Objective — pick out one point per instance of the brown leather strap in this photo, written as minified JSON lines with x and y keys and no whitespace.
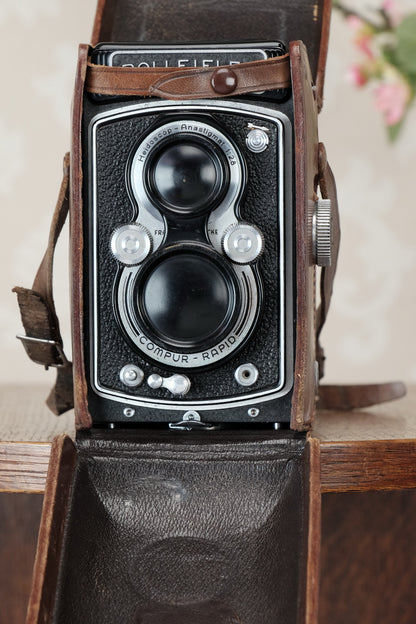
{"x":189,"y":83}
{"x":218,"y":22}
{"x":328,"y":190}
{"x":43,"y":341}
{"x":345,"y":397}
{"x":358,"y":396}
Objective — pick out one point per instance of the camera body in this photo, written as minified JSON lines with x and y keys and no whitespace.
{"x":190,"y":307}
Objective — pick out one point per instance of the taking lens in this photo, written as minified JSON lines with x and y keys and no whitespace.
{"x":187,"y":175}
{"x":187,"y":300}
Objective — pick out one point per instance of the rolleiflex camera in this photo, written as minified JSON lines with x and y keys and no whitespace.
{"x":189,"y":234}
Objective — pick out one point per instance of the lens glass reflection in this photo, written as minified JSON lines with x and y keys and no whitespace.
{"x":197,"y":304}
{"x":187,"y":176}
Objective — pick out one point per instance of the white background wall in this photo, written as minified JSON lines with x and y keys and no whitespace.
{"x":370,"y":333}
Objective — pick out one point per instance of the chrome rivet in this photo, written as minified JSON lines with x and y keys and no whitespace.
{"x":129,"y":412}
{"x":253,"y":412}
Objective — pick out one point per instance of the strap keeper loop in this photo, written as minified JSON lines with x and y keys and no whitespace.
{"x":44,"y":351}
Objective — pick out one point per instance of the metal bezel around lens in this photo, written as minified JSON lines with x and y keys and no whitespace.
{"x":198,"y":130}
{"x":243,"y":321}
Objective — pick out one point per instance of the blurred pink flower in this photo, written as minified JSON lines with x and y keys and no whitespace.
{"x":391,"y":98}
{"x":393,"y":12}
{"x":363,"y":43}
{"x":364,"y":34}
{"x":354,"y":22}
{"x":357,"y":76}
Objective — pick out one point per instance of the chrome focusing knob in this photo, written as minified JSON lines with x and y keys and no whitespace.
{"x":321,"y":232}
{"x":243,"y":243}
{"x":176,"y":384}
{"x":131,"y":243}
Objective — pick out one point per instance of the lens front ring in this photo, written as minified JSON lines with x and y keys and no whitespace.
{"x":186,"y":174}
{"x":234,"y":314}
{"x":200,"y":301}
{"x":222,"y":153}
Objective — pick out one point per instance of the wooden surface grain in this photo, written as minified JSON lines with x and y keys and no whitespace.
{"x":360,"y":450}
{"x":19,"y":522}
{"x":368,"y":558}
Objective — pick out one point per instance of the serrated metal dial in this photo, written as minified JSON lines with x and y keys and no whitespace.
{"x":131,"y":243}
{"x":321,"y":232}
{"x":243,"y":243}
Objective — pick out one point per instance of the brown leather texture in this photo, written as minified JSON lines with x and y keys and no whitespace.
{"x":182,"y":528}
{"x":50,"y":539}
{"x":216,"y":22}
{"x":43,"y":341}
{"x":82,"y":415}
{"x":188,"y":83}
{"x":306,"y":173}
{"x":327,"y":189}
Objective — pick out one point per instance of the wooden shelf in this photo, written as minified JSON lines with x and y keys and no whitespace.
{"x":363,"y":450}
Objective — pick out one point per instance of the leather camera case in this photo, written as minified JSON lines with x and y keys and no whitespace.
{"x":306,"y":177}
{"x":150,"y":525}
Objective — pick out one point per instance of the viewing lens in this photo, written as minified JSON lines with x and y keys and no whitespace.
{"x":187,"y":176}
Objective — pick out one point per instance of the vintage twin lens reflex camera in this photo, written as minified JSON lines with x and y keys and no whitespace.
{"x":190,"y":285}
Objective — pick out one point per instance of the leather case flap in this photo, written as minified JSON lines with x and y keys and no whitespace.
{"x":166,"y":527}
{"x":207,"y":21}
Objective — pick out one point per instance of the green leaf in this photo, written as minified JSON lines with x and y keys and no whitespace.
{"x":406,"y":44}
{"x":394,"y":131}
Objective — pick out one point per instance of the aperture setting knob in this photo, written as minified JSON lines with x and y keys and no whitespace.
{"x":321,"y":232}
{"x":131,"y":243}
{"x":243,"y":243}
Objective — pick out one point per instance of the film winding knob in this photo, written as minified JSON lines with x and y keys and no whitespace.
{"x":321,"y":232}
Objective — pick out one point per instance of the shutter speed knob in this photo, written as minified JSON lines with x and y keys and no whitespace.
{"x":321,"y":232}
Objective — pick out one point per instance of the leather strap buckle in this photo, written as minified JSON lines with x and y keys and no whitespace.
{"x":44,"y":351}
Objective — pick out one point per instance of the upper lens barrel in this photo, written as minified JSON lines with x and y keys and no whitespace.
{"x":187,"y":175}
